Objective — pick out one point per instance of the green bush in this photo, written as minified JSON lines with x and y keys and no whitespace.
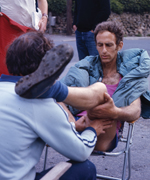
{"x":116,"y":6}
{"x":73,"y":6}
{"x":136,"y":6}
{"x":57,"y":7}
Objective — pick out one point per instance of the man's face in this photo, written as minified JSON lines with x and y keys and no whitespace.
{"x":106,"y":46}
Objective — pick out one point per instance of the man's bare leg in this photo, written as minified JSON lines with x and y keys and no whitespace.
{"x":85,"y":98}
{"x":105,"y":141}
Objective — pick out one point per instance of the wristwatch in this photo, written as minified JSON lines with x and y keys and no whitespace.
{"x":44,"y":14}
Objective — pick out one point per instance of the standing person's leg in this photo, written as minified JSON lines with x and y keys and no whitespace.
{"x":90,"y":43}
{"x":80,"y":43}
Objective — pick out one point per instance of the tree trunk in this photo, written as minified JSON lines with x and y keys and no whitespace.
{"x":69,"y":17}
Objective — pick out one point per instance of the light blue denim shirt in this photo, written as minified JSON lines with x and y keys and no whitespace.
{"x":132,"y":64}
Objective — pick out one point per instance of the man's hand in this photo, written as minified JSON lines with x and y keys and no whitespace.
{"x":74,"y":28}
{"x":42,"y":24}
{"x":98,"y":125}
{"x":43,"y":6}
{"x":81,"y":124}
{"x":107,"y":110}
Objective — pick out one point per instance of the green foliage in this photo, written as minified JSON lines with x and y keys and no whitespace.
{"x":136,"y":6}
{"x":116,"y":6}
{"x":139,"y":35}
{"x":57,"y":7}
{"x":73,"y":5}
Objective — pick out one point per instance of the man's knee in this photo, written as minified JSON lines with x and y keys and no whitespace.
{"x":80,"y":170}
{"x":98,"y":90}
{"x":99,"y":87}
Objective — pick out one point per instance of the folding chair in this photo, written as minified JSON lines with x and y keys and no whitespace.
{"x":127,"y":158}
{"x":45,"y":158}
{"x":126,"y":151}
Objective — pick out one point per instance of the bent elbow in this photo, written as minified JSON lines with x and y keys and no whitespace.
{"x":82,"y":157}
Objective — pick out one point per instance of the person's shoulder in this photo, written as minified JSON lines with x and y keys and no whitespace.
{"x":131,"y":52}
{"x":132,"y":56}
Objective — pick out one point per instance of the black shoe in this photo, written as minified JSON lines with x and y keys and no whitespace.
{"x":50,"y":68}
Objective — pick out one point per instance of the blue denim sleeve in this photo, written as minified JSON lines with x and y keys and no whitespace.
{"x":58,"y":91}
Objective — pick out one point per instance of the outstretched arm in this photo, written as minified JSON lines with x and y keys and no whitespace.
{"x":110,"y":111}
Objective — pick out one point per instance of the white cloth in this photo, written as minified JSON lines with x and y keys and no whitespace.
{"x":25,"y":126}
{"x":21,"y":11}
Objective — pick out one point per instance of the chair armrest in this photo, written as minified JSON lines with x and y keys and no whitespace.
{"x":57,"y":171}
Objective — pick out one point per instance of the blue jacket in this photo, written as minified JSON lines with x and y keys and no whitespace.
{"x":132,"y":64}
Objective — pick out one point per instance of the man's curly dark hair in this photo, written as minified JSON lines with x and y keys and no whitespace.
{"x":26,"y":52}
{"x":112,"y":27}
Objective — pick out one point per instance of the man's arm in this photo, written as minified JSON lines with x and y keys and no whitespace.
{"x":75,"y":17}
{"x":43,"y":6}
{"x":110,"y":111}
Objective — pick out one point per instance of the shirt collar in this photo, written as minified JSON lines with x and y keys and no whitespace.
{"x":9,"y":78}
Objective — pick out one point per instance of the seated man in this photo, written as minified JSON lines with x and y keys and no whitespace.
{"x":26,"y":124}
{"x":125,"y":76}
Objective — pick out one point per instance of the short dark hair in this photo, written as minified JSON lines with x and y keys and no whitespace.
{"x":112,"y":27}
{"x":26,"y":52}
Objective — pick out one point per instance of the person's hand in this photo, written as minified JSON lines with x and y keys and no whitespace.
{"x":81,"y":124}
{"x":100,"y":125}
{"x":107,"y":110}
{"x":42,"y":24}
{"x":1,"y":14}
{"x":74,"y":28}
